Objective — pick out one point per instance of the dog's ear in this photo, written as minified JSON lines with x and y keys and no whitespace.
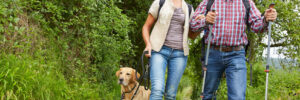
{"x":134,"y":76}
{"x":118,"y":73}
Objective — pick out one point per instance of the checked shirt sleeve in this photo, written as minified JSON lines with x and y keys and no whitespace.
{"x":258,"y":25}
{"x":198,"y":25}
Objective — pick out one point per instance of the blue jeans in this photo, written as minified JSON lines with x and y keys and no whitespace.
{"x":234,"y":65}
{"x":176,"y":62}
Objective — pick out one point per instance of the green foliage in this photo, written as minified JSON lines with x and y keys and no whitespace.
{"x":86,"y":39}
{"x":138,"y":14}
{"x":285,"y":31}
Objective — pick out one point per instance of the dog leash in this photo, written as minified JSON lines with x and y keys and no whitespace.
{"x":146,"y":72}
{"x":144,"y":76}
{"x":135,"y":92}
{"x":123,"y":93}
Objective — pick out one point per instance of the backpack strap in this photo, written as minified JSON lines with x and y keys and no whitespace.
{"x":247,"y":7}
{"x":161,"y":3}
{"x":208,"y":5}
{"x":190,"y":9}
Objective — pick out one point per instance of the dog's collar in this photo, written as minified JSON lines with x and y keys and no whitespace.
{"x":123,"y":94}
{"x":131,"y":89}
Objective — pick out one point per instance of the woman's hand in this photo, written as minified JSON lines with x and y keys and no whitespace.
{"x":148,"y":48}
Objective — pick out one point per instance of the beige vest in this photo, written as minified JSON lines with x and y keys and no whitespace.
{"x":160,"y":29}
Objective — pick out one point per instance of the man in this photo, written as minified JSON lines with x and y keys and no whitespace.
{"x":227,"y":51}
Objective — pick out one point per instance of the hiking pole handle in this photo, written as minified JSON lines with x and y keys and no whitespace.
{"x":213,"y":10}
{"x":272,"y":5}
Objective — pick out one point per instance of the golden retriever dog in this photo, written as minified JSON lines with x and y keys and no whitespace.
{"x":129,"y":84}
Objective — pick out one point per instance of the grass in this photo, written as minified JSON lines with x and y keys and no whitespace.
{"x":25,"y":78}
{"x":22,"y":77}
{"x":185,"y":88}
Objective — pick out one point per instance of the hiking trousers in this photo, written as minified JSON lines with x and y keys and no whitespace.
{"x":234,"y":65}
{"x":173,"y":60}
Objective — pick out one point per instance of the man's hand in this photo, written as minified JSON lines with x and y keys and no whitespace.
{"x":199,"y":17}
{"x":270,"y":15}
{"x":210,"y":17}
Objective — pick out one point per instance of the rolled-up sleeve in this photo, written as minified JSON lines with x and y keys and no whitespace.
{"x":154,"y":9}
{"x":258,"y":25}
{"x":198,"y":25}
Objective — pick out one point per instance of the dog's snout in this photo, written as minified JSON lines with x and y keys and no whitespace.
{"x":121,"y":79}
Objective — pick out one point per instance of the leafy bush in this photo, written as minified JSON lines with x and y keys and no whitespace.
{"x":85,"y":39}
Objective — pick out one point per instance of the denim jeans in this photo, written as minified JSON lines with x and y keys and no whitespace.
{"x":176,"y":62}
{"x":234,"y":65}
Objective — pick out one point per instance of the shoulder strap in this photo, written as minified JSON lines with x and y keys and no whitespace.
{"x":247,"y":48}
{"x":208,"y":5}
{"x":161,"y":3}
{"x":190,"y":9}
{"x":247,"y":7}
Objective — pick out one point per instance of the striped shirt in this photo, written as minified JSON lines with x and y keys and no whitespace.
{"x":229,"y":28}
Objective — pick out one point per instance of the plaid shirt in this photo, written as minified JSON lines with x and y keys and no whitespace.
{"x":229,"y":28}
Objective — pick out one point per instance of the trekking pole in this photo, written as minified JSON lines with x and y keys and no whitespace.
{"x":251,"y":74}
{"x":206,"y":59}
{"x":268,"y":55}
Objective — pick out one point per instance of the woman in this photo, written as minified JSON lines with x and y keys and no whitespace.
{"x":167,"y":46}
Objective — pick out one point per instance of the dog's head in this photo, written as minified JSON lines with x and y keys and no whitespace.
{"x":126,"y":76}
